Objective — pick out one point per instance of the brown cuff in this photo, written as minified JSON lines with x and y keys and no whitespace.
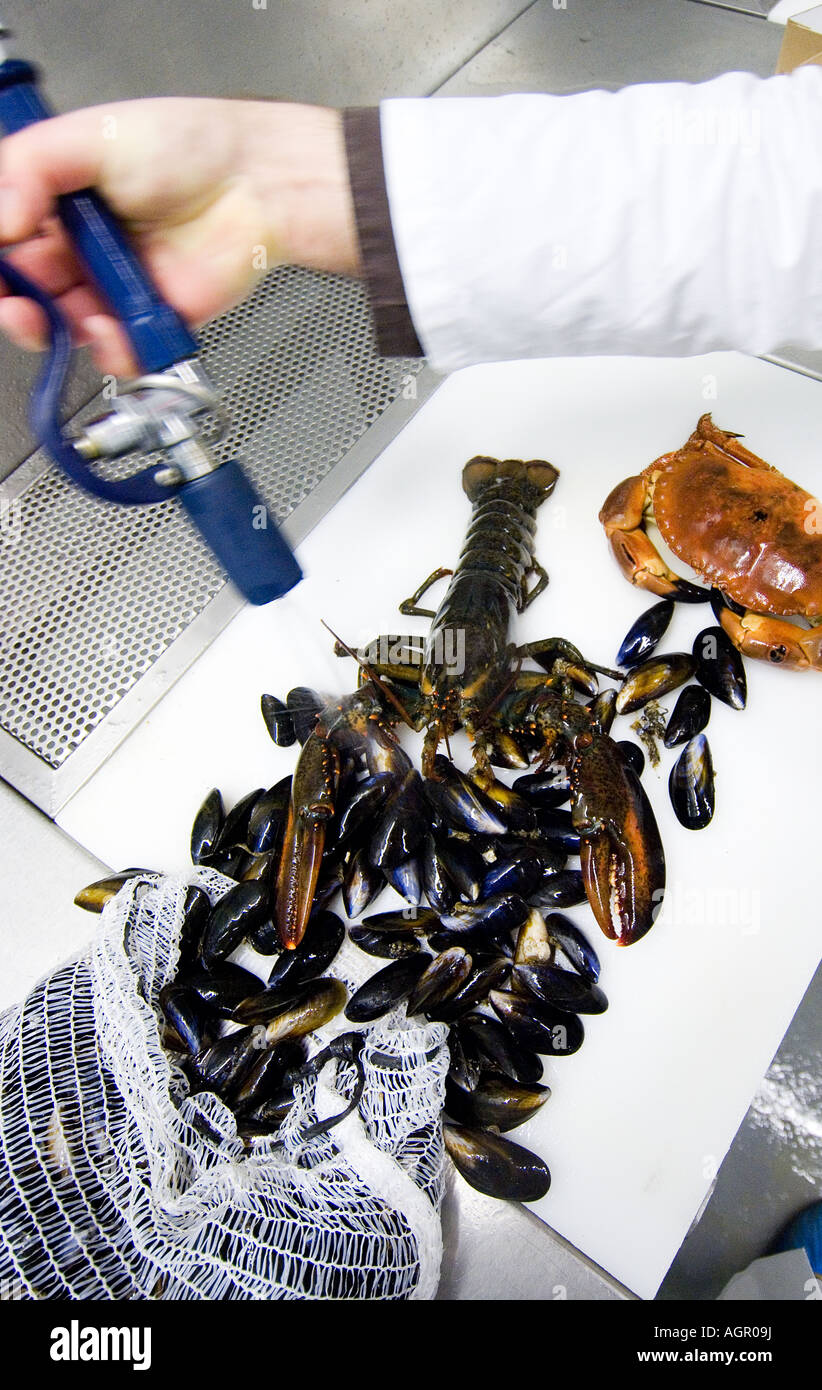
{"x":393,"y":326}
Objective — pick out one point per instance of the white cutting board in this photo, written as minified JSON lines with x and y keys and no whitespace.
{"x":641,"y":1117}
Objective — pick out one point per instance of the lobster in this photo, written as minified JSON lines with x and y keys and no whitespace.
{"x":469,"y":675}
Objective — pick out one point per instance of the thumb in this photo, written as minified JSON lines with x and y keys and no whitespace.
{"x":38,"y":163}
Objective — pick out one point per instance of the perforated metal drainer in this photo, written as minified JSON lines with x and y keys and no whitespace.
{"x":104,"y":606}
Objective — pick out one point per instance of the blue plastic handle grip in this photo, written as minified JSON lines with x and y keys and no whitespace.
{"x":157,"y":333}
{"x":235,"y":524}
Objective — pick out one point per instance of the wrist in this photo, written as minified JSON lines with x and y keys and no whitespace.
{"x":296,"y":157}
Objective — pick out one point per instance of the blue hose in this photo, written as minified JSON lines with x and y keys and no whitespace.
{"x":45,"y":408}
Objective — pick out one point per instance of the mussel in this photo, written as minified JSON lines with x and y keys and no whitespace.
{"x":719,"y":667}
{"x":643,"y":635}
{"x":496,"y":1166}
{"x":689,"y":716}
{"x":691,"y":784}
{"x":496,"y":1102}
{"x":653,"y":678}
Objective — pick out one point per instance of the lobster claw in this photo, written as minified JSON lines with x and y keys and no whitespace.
{"x":313,"y":795}
{"x":621,"y":854}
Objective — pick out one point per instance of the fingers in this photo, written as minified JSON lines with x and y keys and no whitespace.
{"x":25,"y":324}
{"x":36,"y":164}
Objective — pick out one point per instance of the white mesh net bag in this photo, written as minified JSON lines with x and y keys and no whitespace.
{"x":115,"y":1182}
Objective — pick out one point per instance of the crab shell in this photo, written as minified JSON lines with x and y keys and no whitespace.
{"x":742,"y":526}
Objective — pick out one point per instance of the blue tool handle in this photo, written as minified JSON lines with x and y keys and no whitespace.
{"x":158,"y":335}
{"x":235,"y":523}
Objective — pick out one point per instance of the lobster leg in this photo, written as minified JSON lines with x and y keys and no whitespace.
{"x":410,"y":606}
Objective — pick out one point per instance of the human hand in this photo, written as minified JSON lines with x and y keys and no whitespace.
{"x":211,"y":193}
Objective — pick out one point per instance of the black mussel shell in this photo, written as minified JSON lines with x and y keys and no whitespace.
{"x":267,"y":1073}
{"x":279,"y":720}
{"x":460,"y":802}
{"x":485,"y":976}
{"x":465,"y":866}
{"x":556,"y":828}
{"x":603,"y":709}
{"x":281,"y":996}
{"x":323,"y":938}
{"x":719,"y":667}
{"x":689,"y":715}
{"x":307,"y":1007}
{"x":266,"y":823}
{"x":501,"y":913}
{"x":520,"y":872}
{"x":466,"y":1060}
{"x":222,"y":988}
{"x":243,"y":908}
{"x":562,"y":889}
{"x":562,"y":989}
{"x":235,"y":825}
{"x":440,"y":980}
{"x":385,"y":944}
{"x":496,"y":1102}
{"x":499,"y":1049}
{"x":633,"y":754}
{"x":574,"y":944}
{"x":361,"y":884}
{"x":231,"y":862}
{"x":515,"y":810}
{"x":196,"y":909}
{"x":653,"y":678}
{"x":270,"y":1113}
{"x":691,"y":785}
{"x":387,"y":989}
{"x":410,"y":921}
{"x":265,"y":938}
{"x":643,"y":635}
{"x":94,"y":896}
{"x":401,"y":825}
{"x":437,"y":882}
{"x":260,"y":866}
{"x":185,"y":1011}
{"x":496,"y":1166}
{"x":545,"y":1030}
{"x":305,"y":705}
{"x":225,"y":1064}
{"x":406,"y":879}
{"x":359,"y":807}
{"x":208,"y":823}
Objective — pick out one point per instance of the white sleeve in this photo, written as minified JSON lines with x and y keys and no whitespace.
{"x":665,"y":219}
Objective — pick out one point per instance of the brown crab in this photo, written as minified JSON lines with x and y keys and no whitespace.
{"x":743,"y":527}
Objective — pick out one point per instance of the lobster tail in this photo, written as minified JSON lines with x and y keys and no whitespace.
{"x":535,"y":477}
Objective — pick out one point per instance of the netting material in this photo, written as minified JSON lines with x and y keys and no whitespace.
{"x":115,"y":1182}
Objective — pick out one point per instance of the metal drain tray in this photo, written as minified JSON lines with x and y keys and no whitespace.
{"x":104,"y":606}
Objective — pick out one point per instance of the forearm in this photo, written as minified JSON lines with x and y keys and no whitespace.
{"x":663,"y":219}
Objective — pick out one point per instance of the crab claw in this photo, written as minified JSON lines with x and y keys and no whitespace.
{"x":312,"y":806}
{"x":621,"y":854}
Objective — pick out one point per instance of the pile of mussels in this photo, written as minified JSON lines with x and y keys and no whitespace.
{"x":718,"y":670}
{"x":492,"y":954}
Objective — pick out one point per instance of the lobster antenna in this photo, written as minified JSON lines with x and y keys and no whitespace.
{"x":372,"y":676}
